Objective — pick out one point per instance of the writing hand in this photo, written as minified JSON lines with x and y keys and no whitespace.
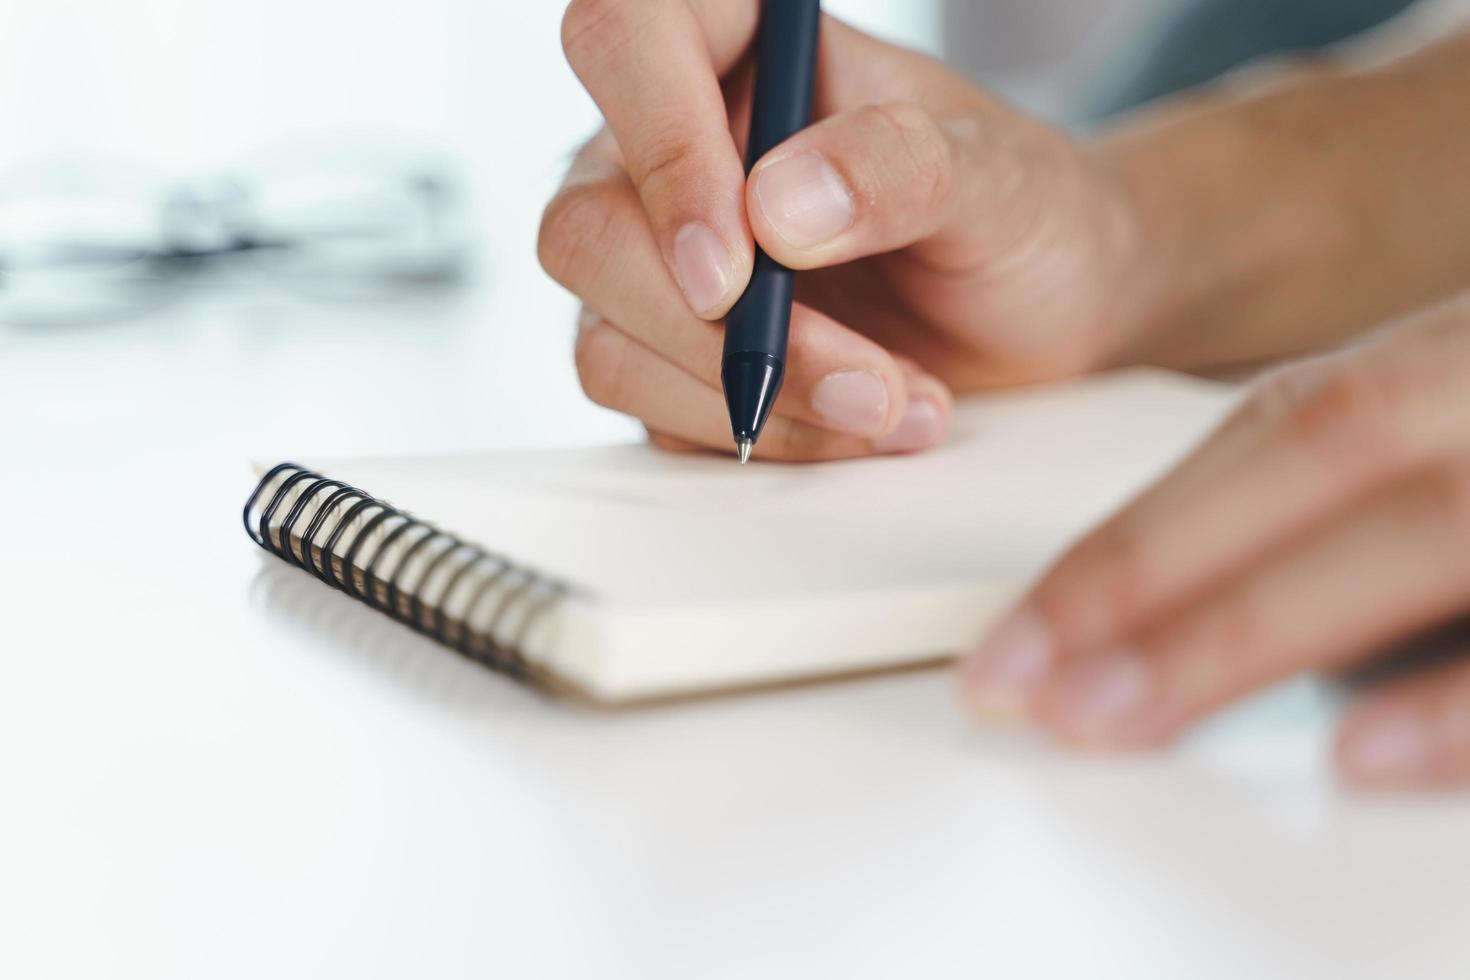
{"x":950,"y":243}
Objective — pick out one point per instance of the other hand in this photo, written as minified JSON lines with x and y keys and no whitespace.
{"x":1329,"y":517}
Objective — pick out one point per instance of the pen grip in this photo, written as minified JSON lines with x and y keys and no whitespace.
{"x":761,"y":319}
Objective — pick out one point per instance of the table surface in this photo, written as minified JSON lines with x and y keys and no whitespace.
{"x":213,"y":766}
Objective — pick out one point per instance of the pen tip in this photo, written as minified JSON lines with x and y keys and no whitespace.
{"x":743,"y":448}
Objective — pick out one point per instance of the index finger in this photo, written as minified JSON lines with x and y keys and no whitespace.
{"x":653,"y":67}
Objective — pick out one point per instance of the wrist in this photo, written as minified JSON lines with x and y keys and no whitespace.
{"x":1232,"y":216}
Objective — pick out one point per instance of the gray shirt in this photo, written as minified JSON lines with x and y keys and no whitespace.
{"x":1080,"y":60}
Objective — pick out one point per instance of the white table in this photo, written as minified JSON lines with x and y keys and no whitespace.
{"x":212,"y":766}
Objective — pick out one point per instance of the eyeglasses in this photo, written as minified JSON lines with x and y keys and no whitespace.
{"x":84,"y":244}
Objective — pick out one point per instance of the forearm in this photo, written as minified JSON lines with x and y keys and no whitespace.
{"x":1293,"y":217}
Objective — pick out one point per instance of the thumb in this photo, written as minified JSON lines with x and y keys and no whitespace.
{"x":873,"y":180}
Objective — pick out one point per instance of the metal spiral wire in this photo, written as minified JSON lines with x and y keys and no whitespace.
{"x":485,"y":587}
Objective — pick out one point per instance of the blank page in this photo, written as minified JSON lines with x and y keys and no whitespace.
{"x":693,"y":571}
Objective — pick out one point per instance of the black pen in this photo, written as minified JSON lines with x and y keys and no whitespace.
{"x":757,"y":327}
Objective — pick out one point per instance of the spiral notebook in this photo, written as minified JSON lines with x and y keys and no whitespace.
{"x":623,"y":573}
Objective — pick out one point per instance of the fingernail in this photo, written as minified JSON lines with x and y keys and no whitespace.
{"x":1005,"y":673}
{"x":1394,"y":744}
{"x":1098,"y":697}
{"x":852,"y":401}
{"x":702,"y":266}
{"x":804,"y":199}
{"x":922,"y":426}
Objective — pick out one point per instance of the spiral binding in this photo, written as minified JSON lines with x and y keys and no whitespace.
{"x":473,"y":585}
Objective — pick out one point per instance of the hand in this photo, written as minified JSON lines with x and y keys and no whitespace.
{"x":1329,"y":517}
{"x":953,"y":243}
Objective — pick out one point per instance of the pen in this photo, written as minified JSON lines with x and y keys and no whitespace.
{"x":757,"y":326}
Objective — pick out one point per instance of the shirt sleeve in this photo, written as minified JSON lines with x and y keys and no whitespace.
{"x":1422,"y":24}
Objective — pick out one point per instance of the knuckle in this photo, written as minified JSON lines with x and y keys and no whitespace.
{"x":795,"y":442}
{"x":576,"y":234}
{"x":1446,"y":501}
{"x":924,"y":163}
{"x":791,"y":443}
{"x":1279,"y":394}
{"x":663,"y":156}
{"x":1241,"y":635}
{"x":1346,"y":416}
{"x":671,"y":444}
{"x":1224,"y":646}
{"x":1098,"y":591}
{"x":590,"y":27}
{"x":601,"y":358}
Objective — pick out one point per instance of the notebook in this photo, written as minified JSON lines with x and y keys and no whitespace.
{"x":621,"y":573}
